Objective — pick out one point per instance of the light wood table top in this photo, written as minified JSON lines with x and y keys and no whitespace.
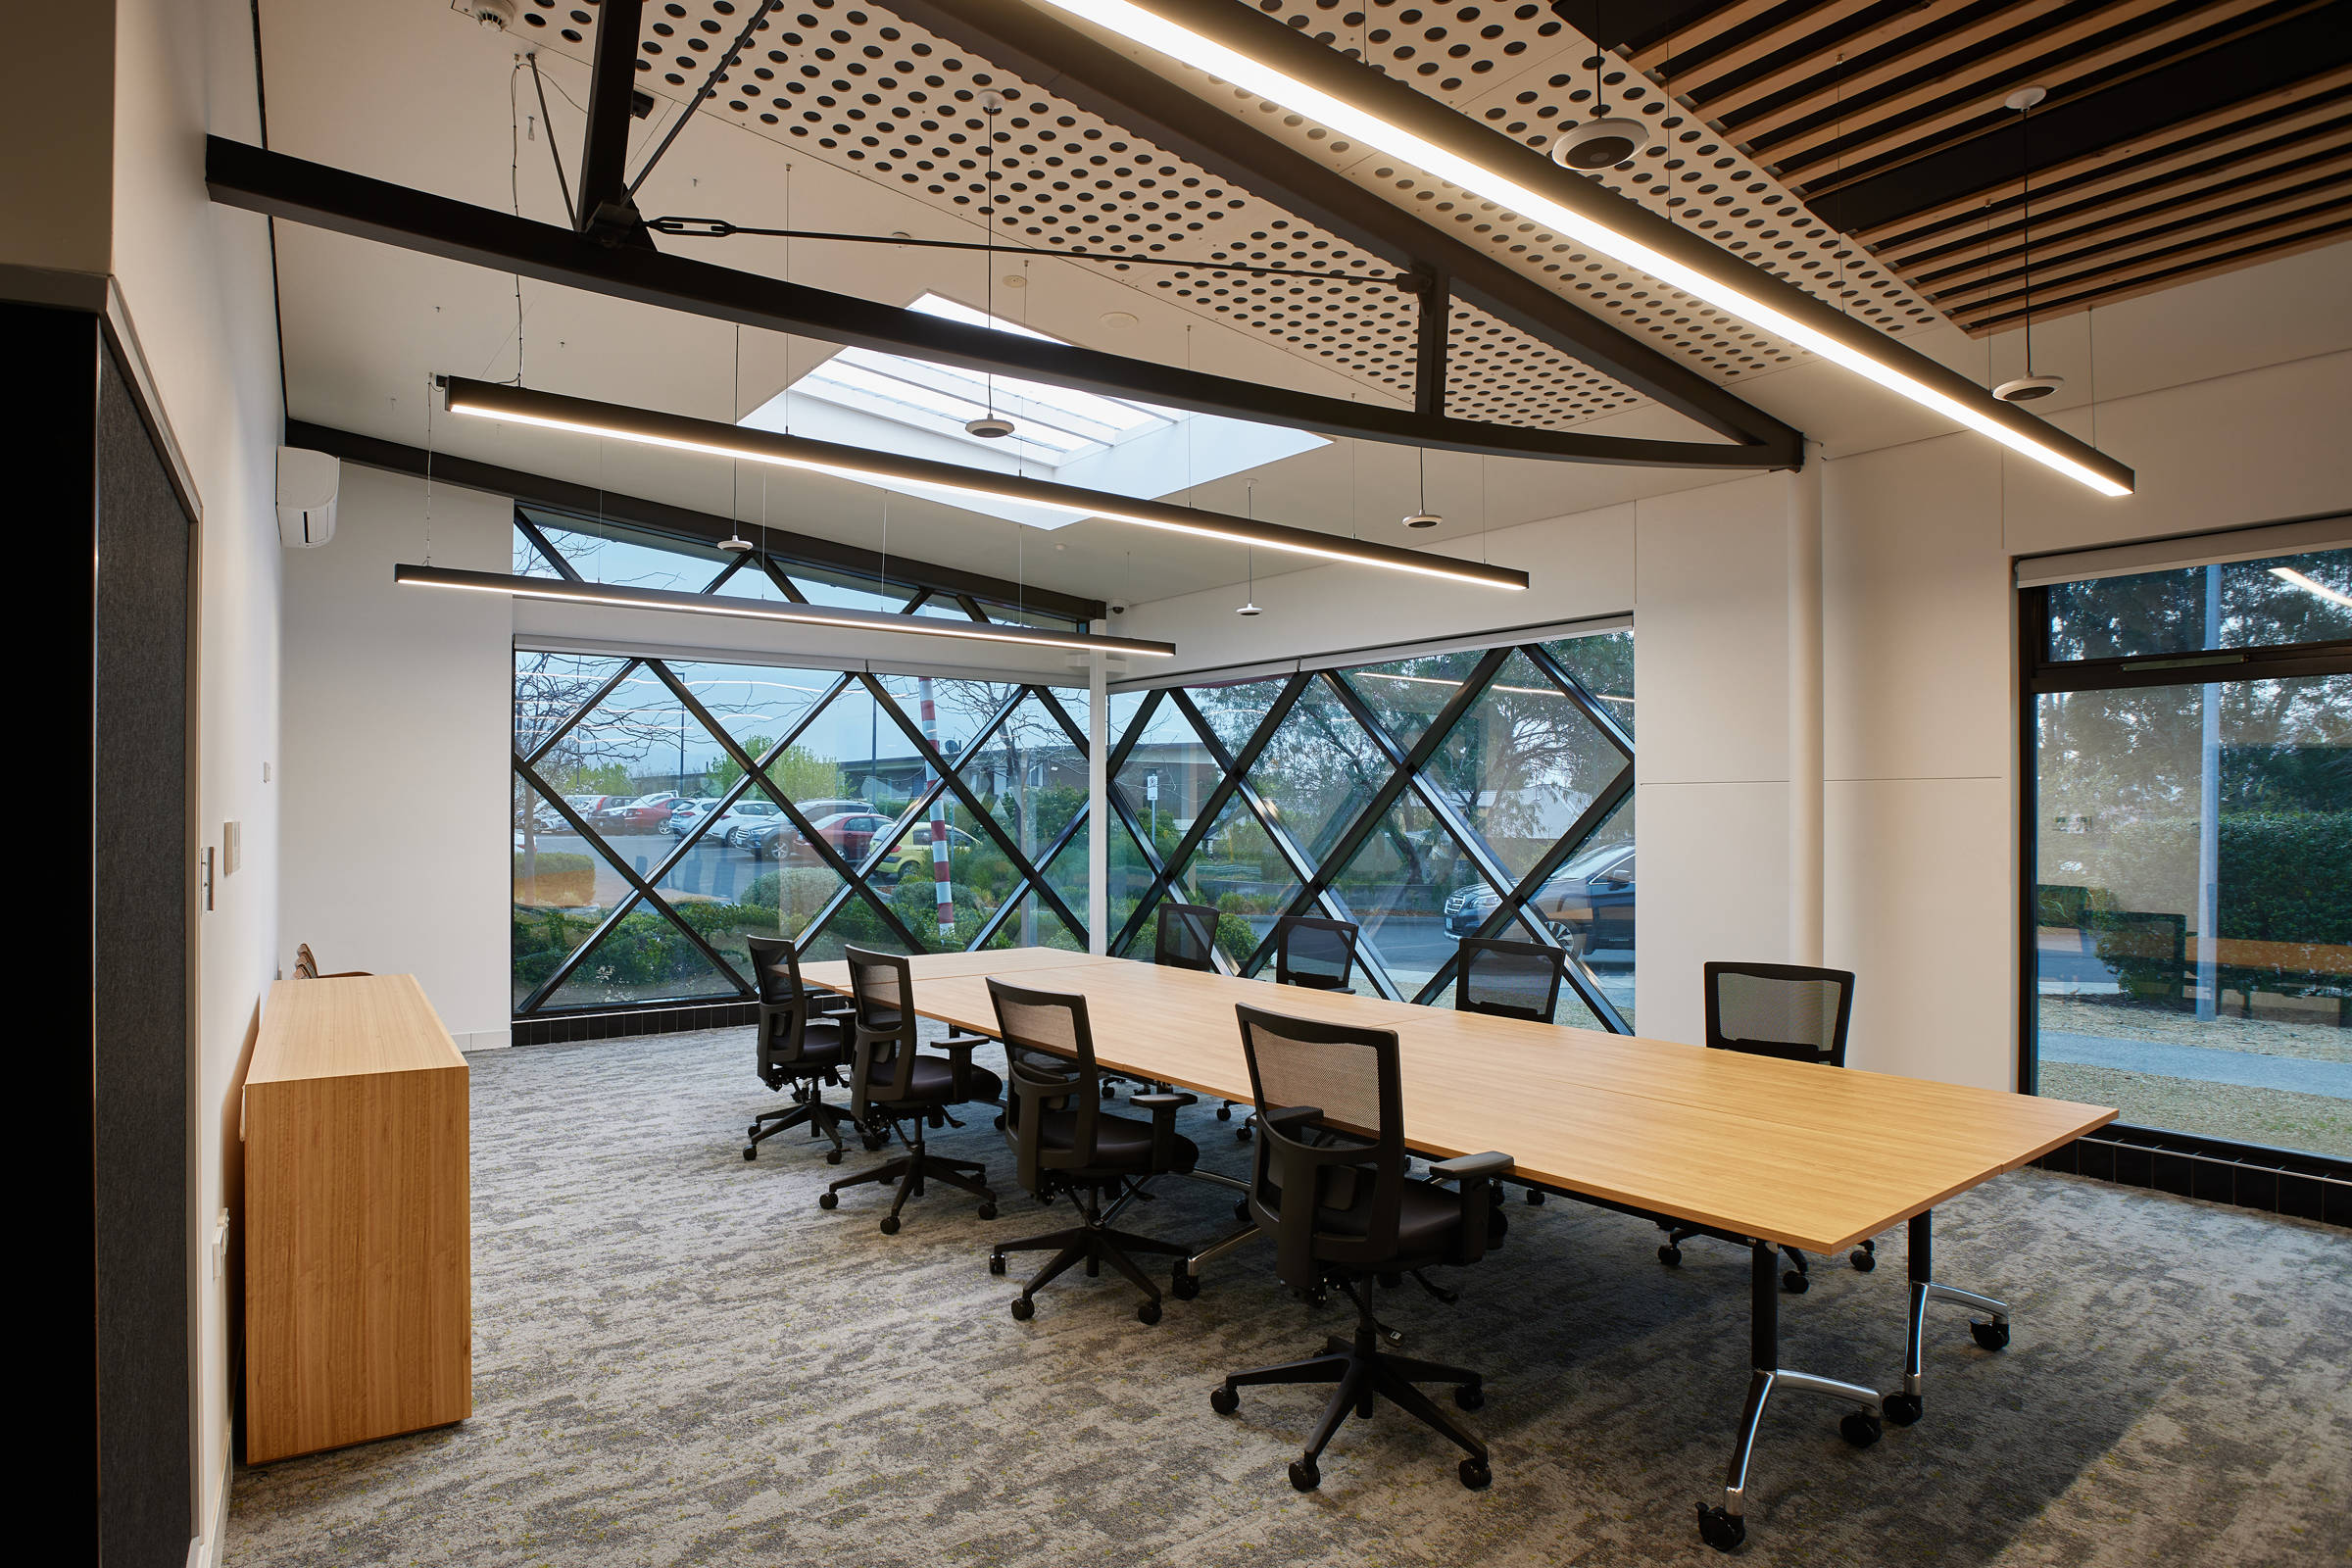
{"x":1809,"y":1156}
{"x":344,"y":1027}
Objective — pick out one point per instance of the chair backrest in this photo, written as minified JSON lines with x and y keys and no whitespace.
{"x":1351,"y":1156}
{"x":306,"y":964}
{"x":882,"y":994}
{"x":1187,"y":938}
{"x":1049,"y":1066}
{"x":1780,"y":1009}
{"x":1317,"y":954}
{"x":1508,"y":979}
{"x":784,"y":1005}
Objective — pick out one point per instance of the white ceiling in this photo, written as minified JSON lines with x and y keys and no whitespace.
{"x":410,"y":92}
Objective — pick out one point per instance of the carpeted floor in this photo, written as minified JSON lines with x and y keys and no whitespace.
{"x":679,"y":1358}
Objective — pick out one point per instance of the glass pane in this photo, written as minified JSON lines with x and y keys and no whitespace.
{"x":563,"y":890}
{"x":957,"y":710}
{"x":856,"y":924}
{"x":2240,"y":603}
{"x":1604,"y":664}
{"x":2193,"y":943}
{"x":631,"y":558}
{"x":1067,"y":874}
{"x":1034,"y":924}
{"x":1235,"y":711}
{"x":1569,"y":1011}
{"x":1237,"y":871}
{"x":549,"y":688}
{"x":528,"y":561}
{"x":1029,"y":776}
{"x":1522,"y":765}
{"x":1129,"y":878}
{"x":877,"y":768}
{"x":945,"y":912}
{"x":1318,"y":772}
{"x":643,"y":959}
{"x":755,"y":705}
{"x":1074,"y":701}
{"x":1407,"y":695}
{"x":1167,"y":777}
{"x":1396,"y":888}
{"x":748,"y":581}
{"x":822,"y":586}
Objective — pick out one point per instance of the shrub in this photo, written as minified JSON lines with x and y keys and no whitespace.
{"x":557,"y":877}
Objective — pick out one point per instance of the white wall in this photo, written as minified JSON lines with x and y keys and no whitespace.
{"x":196,"y":282}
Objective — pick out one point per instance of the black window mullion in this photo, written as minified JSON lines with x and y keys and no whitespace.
{"x":629,"y":874}
{"x":971,"y":608}
{"x":1122,"y":745}
{"x":784,"y":584}
{"x":540,"y":541}
{"x":733,"y":566}
{"x":571,"y":720}
{"x":1595,"y":709}
{"x":1069,"y":725}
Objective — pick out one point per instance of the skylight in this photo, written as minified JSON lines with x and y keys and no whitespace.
{"x":865,"y":397}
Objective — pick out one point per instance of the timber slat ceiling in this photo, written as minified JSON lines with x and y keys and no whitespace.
{"x":2179,"y":137}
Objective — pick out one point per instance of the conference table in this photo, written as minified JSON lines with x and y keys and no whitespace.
{"x":1753,"y":1150}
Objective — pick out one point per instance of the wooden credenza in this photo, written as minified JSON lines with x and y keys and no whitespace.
{"x":357,"y":1248}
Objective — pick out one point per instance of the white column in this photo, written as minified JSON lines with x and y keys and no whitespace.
{"x":1805,"y":760}
{"x":1098,"y":797}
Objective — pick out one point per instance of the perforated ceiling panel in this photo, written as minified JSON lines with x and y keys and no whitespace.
{"x":862,"y":89}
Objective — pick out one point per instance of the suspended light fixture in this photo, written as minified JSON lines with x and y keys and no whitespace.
{"x":597,"y":593}
{"x":2028,"y":387}
{"x":494,"y":400}
{"x":1237,"y":46}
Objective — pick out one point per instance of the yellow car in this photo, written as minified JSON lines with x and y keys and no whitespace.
{"x":912,"y":854}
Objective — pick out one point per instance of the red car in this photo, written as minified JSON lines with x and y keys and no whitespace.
{"x":645,"y":815}
{"x":850,"y":833}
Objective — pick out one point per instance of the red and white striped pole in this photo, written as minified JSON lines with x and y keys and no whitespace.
{"x":942,"y":878}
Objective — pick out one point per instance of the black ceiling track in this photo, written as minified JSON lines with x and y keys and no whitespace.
{"x":1060,"y":60}
{"x":682,"y":522}
{"x":239,"y":174}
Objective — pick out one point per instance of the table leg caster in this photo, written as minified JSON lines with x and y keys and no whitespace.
{"x":1720,"y":1530}
{"x":1904,"y":1410}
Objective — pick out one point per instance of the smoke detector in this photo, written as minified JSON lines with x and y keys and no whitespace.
{"x":991,"y":428}
{"x":495,"y":15}
{"x":1423,"y":519}
{"x":1599,"y":143}
{"x":2028,"y":388}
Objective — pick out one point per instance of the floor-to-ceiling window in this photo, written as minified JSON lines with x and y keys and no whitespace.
{"x":2190,"y":848}
{"x":1487,"y":792}
{"x":664,"y":809}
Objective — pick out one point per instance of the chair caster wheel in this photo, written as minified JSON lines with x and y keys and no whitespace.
{"x":890,"y":1225}
{"x":1671,"y":1256}
{"x":1863,"y":1259}
{"x":751,"y":1151}
{"x":1148,"y":1312}
{"x":1722,"y":1531}
{"x":752,"y":1132}
{"x":1795,"y":1284}
{"x":1108,"y":1093}
{"x":1224,"y":1113}
{"x":1470,"y":1396}
{"x":1224,"y":1400}
{"x":1240,"y":1134}
{"x":873,"y":1141}
{"x":1475,"y":1475}
{"x":1904,"y":1408}
{"x":987,"y":1212}
{"x":1240,"y":1209}
{"x":828,"y":1200}
{"x":1023,"y":1310}
{"x":999,"y":1121}
{"x":1304,"y":1476}
{"x":1185,"y":1285}
{"x":1993,"y":1336}
{"x":996,"y":1263}
{"x":1536,"y":1197}
{"x":1861,"y":1429}
{"x":833,"y":1157}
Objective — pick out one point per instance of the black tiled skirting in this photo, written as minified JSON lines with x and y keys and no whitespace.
{"x":2306,"y":1186}
{"x":556,"y":1028}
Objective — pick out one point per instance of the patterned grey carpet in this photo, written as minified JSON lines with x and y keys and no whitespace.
{"x":679,"y":1358}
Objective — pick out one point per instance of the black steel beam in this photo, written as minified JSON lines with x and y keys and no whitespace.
{"x":1432,"y":331}
{"x":683,"y":522}
{"x":238,"y":175}
{"x":604,"y":209}
{"x":1060,"y":60}
{"x":2244,"y":68}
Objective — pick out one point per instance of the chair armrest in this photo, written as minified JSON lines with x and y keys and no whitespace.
{"x":1155,"y":1102}
{"x":959,"y":1055}
{"x":1163,"y":1108}
{"x":1476,"y":1173}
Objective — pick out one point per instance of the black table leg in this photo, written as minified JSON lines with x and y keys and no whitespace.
{"x":1725,"y":1525}
{"x":1906,"y":1407}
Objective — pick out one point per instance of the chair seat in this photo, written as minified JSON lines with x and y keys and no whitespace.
{"x":934,"y":1083}
{"x":1427,"y":1217}
{"x":1121,"y":1143}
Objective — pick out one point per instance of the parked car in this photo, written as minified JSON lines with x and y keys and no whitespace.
{"x":749,"y":812}
{"x":1589,"y":903}
{"x":647,"y":814}
{"x":912,"y":854}
{"x":818,"y":811}
{"x":589,"y":805}
{"x":685,"y":815}
{"x":850,"y":833}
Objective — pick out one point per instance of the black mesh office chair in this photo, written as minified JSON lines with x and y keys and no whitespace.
{"x":1793,"y":1013}
{"x":803,"y":1043}
{"x":1064,"y":1143}
{"x":1317,"y":954}
{"x":1330,"y":1186}
{"x":1186,"y":938}
{"x":894,"y":1088}
{"x":1506,"y":979}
